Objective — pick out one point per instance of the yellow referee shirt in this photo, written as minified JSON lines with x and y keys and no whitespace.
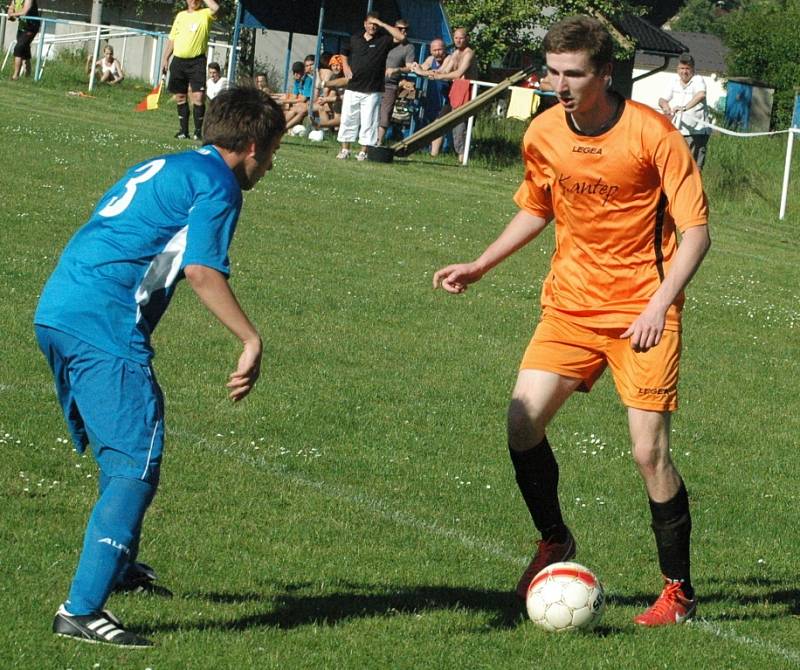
{"x":190,"y":32}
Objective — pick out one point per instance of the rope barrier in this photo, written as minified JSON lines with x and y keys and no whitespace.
{"x":726,"y":131}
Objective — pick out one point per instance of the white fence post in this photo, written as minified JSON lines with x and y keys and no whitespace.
{"x":95,"y":56}
{"x":786,"y":171}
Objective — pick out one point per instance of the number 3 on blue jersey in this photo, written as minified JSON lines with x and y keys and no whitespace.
{"x":117,"y":205}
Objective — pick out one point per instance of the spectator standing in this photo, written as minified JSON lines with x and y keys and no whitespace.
{"x":399,"y":61}
{"x":619,"y":183}
{"x":111,"y":71}
{"x":365,"y":66}
{"x":460,"y":64}
{"x":685,"y":103}
{"x":168,"y":218}
{"x":436,"y":90}
{"x":187,"y":44}
{"x":215,"y":83}
{"x":23,"y":11}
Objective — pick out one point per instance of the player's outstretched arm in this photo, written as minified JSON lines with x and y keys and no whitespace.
{"x":215,"y":293}
{"x":645,"y":332}
{"x":519,"y":231}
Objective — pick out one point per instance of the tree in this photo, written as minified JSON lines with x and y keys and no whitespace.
{"x":497,"y":27}
{"x":764,"y":44}
{"x":704,"y":16}
{"x":224,"y":20}
{"x":698,"y":16}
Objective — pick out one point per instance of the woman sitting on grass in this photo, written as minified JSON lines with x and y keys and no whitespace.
{"x":110,"y":68}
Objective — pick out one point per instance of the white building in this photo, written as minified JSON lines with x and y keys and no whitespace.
{"x":709,"y":55}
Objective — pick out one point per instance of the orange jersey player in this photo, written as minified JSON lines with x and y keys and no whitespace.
{"x":619,"y":182}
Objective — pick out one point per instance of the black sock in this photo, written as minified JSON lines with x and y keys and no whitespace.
{"x":537,"y":477}
{"x":199,"y":113}
{"x":672,"y":526}
{"x":183,"y":117}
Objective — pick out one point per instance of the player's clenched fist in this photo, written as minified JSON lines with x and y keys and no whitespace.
{"x":456,"y":278}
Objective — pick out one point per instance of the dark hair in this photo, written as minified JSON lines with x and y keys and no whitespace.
{"x":686,"y":59}
{"x":240,"y":115}
{"x":310,"y":57}
{"x":298,"y":67}
{"x":372,"y":15}
{"x":581,"y":33}
{"x":325,"y":59}
{"x":214,"y":66}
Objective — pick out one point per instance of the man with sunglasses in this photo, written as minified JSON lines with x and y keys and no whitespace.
{"x":365,"y":68}
{"x":398,"y":62}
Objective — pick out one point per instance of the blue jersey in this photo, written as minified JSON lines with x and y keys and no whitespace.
{"x":304,"y":87}
{"x":116,"y":276}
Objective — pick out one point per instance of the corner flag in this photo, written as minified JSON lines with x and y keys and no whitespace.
{"x":151,"y":101}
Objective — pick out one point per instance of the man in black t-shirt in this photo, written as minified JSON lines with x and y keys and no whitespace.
{"x":365,"y":67}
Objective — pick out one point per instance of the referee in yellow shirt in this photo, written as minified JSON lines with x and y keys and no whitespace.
{"x":187,"y":45}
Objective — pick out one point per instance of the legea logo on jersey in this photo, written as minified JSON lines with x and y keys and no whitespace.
{"x":599,"y":188}
{"x":577,"y":149}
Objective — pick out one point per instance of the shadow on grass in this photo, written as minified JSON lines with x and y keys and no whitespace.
{"x":294,"y":607}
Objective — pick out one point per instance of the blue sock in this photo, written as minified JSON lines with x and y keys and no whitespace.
{"x":102,"y":482}
{"x":113,"y":528}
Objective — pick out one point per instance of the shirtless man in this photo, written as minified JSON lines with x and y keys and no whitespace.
{"x":461,"y":64}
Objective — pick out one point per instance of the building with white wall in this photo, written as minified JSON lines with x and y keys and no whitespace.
{"x":709,"y":55}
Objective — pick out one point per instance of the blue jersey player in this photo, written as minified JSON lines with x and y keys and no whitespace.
{"x":168,"y":218}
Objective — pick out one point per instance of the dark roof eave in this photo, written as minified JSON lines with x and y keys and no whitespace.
{"x":666,"y":54}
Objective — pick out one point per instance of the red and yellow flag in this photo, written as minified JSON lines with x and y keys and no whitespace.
{"x":151,"y":101}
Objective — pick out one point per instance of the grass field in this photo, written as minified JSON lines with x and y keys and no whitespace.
{"x":359,"y":509}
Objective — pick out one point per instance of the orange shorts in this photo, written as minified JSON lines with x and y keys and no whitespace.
{"x":644,"y":380}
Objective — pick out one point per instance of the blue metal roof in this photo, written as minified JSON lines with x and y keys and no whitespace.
{"x":426,"y":17}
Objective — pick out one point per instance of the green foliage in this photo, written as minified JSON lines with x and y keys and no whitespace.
{"x":764,"y":44}
{"x":224,"y":19}
{"x":497,"y":27}
{"x":699,"y":16}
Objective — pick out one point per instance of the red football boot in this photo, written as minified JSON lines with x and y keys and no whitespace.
{"x":671,"y":607}
{"x":547,"y":553}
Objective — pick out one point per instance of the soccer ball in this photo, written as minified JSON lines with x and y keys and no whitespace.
{"x":316,"y":136}
{"x":565,"y":596}
{"x":297,"y":131}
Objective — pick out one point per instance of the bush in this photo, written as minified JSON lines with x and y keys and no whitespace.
{"x":765,"y":45}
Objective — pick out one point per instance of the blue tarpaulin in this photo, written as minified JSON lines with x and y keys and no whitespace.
{"x":737,"y":105}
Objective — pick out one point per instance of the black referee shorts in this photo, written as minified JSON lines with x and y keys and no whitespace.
{"x":185,"y":72}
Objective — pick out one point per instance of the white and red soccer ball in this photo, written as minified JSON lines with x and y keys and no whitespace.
{"x":565,"y":596}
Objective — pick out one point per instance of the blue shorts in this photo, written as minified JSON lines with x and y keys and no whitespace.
{"x":112,"y":403}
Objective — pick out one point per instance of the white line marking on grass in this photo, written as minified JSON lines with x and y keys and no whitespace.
{"x":384,"y":509}
{"x":766,"y":645}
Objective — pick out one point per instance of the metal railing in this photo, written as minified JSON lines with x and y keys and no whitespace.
{"x":145,"y":48}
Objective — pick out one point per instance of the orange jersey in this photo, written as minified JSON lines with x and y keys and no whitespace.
{"x":616,"y":199}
